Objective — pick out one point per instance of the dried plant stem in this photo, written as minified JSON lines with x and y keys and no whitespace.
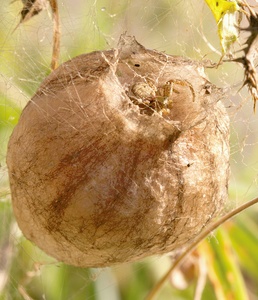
{"x":202,"y":236}
{"x":250,"y":53}
{"x":56,"y":34}
{"x":34,"y":7}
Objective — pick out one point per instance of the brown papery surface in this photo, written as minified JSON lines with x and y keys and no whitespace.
{"x":121,"y":154}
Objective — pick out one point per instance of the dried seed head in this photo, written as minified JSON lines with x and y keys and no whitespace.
{"x":95,"y":181}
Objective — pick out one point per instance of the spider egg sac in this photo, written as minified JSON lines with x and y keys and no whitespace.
{"x":120,"y":154}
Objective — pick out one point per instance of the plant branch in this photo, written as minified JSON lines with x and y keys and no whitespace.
{"x":202,"y":236}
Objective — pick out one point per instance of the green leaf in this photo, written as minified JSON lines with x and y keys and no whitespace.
{"x":226,"y":14}
{"x":223,"y":270}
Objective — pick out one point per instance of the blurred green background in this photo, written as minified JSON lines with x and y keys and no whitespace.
{"x":225,"y":266}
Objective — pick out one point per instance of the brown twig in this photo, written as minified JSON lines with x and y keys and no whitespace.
{"x":56,"y":34}
{"x":34,"y":7}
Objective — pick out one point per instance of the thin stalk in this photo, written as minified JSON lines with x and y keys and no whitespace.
{"x":56,"y":34}
{"x":202,"y":236}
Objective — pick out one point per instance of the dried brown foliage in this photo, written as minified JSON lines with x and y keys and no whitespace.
{"x":248,"y":60}
{"x":34,"y":7}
